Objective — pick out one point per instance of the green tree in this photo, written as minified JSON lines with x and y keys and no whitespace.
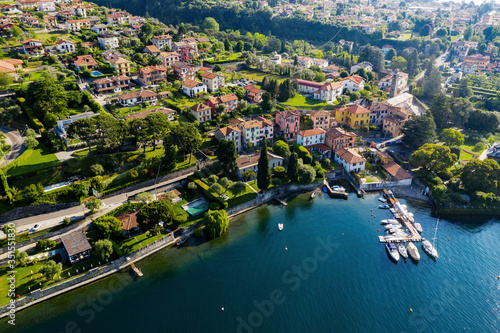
{"x":216,"y":222}
{"x":307,"y":173}
{"x":238,"y":188}
{"x":480,"y":175}
{"x":31,"y":142}
{"x":21,"y":257}
{"x":96,"y":169}
{"x":463,"y":89}
{"x":144,"y":197}
{"x":432,"y":81}
{"x":187,"y":138}
{"x":441,"y":110}
{"x":293,"y":167}
{"x":50,"y":269}
{"x":486,"y":122}
{"x":84,"y":129}
{"x":418,"y":131}
{"x":267,"y":102}
{"x":452,"y":137}
{"x":103,"y":249}
{"x":433,"y":157}
{"x":210,"y":25}
{"x":217,"y":188}
{"x":45,"y":96}
{"x":108,"y":226}
{"x":399,"y":63}
{"x":32,"y":192}
{"x":412,"y":65}
{"x":155,"y":212}
{"x":5,"y":79}
{"x":461,"y":109}
{"x":170,"y":156}
{"x":468,"y":32}
{"x":239,"y":46}
{"x":157,"y":125}
{"x":226,"y":152}
{"x":9,"y":230}
{"x":50,"y":120}
{"x":44,"y":244}
{"x":81,"y":189}
{"x":282,"y":149}
{"x":263,"y":171}
{"x":93,"y":204}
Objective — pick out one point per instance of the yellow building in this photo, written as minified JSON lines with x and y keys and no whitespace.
{"x":354,"y":116}
{"x":121,"y":66}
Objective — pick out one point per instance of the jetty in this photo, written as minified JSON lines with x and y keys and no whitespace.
{"x":402,"y":218}
{"x":335,"y":194}
{"x":136,"y":270}
{"x":281,"y":201}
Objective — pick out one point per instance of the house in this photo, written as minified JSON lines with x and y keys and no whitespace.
{"x":308,"y":87}
{"x":213,"y":81}
{"x":331,"y":69}
{"x":289,"y":123}
{"x":395,"y":83}
{"x":136,"y":20}
{"x":161,"y":41}
{"x":77,"y":25}
{"x":9,"y":9}
{"x":397,"y":173}
{"x":314,"y":140}
{"x":50,"y":21}
{"x":329,"y":91}
{"x":187,"y":53}
{"x":114,"y":84}
{"x":461,"y":49}
{"x":201,"y":112}
{"x":183,"y":71}
{"x":111,"y":54}
{"x":32,"y":47}
{"x":380,"y":111}
{"x":99,"y":28}
{"x":320,"y":119}
{"x":10,"y":65}
{"x":353,"y":82}
{"x":250,"y":162}
{"x":63,"y":124}
{"x":129,"y":223}
{"x":380,"y":156}
{"x":108,"y":41}
{"x":46,"y":6}
{"x":63,"y":15}
{"x":138,"y":97}
{"x":354,"y":116}
{"x":255,"y":130}
{"x":33,"y":21}
{"x":230,"y":133}
{"x":84,"y":60}
{"x":143,"y":114}
{"x":118,"y":18}
{"x":64,"y":46}
{"x":386,"y":48}
{"x":192,"y":87}
{"x":169,"y":58}
{"x":152,"y":74}
{"x":80,"y":10}
{"x":121,"y":66}
{"x":151,"y":49}
{"x":393,"y":123}
{"x":253,"y":94}
{"x":350,"y":160}
{"x":365,"y":64}
{"x":367,"y":28}
{"x":337,"y":138}
{"x":26,"y":4}
{"x":176,"y":47}
{"x":77,"y":247}
{"x":229,"y":100}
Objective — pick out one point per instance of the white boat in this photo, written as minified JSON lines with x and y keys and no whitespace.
{"x":389,"y":221}
{"x":429,"y":249}
{"x":392,"y":226}
{"x":410,"y":217}
{"x":384,"y":206}
{"x":313,"y":195}
{"x":393,"y":251}
{"x":382,"y":200}
{"x":402,"y":251}
{"x":418,"y":227}
{"x":392,"y":210}
{"x":338,"y":188}
{"x":394,"y":231}
{"x":413,"y":251}
{"x":280,"y":226}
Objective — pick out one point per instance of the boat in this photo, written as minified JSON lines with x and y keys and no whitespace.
{"x":280,"y":226}
{"x":181,"y":241}
{"x":395,"y":231}
{"x":413,"y":251}
{"x":338,"y":188}
{"x":313,"y":195}
{"x":384,"y":206}
{"x":393,"y":251}
{"x":418,"y":227}
{"x":402,"y":251}
{"x":382,"y":200}
{"x":389,"y":221}
{"x":392,"y":210}
{"x":325,"y":189}
{"x":392,"y":226}
{"x":429,"y":248}
{"x":410,"y":217}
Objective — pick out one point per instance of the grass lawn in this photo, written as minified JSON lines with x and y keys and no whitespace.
{"x":133,"y":244}
{"x":123,"y":112}
{"x":244,"y":197}
{"x":41,"y":158}
{"x":257,"y":76}
{"x":300,"y":101}
{"x":45,"y":36}
{"x":182,"y":101}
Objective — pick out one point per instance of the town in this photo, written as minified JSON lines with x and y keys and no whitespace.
{"x":122,"y":134}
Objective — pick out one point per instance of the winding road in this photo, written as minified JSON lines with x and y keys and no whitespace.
{"x":14,"y":138}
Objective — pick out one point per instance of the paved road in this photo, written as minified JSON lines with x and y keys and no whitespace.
{"x":16,"y":142}
{"x":53,"y":219}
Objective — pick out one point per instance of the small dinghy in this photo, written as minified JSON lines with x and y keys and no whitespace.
{"x":280,"y":226}
{"x":402,"y":251}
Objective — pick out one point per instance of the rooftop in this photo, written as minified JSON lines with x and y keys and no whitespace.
{"x":75,"y":243}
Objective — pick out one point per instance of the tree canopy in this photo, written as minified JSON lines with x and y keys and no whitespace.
{"x":418,"y":131}
{"x":216,"y":222}
{"x":480,"y":175}
{"x":103,"y":249}
{"x":433,"y":157}
{"x":452,"y":137}
{"x":108,"y":226}
{"x":155,"y":212}
{"x":263,"y":172}
{"x":226,"y":152}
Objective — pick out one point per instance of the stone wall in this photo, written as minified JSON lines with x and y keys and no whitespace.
{"x":23,"y":212}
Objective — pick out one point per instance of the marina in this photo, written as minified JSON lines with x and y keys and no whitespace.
{"x":335,"y":193}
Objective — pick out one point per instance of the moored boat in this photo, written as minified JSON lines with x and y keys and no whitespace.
{"x":427,"y":246}
{"x":418,"y":227}
{"x":389,"y":221}
{"x":402,"y":251}
{"x":280,"y":226}
{"x":338,"y":188}
{"x":392,"y":226}
{"x":313,"y":194}
{"x":181,"y":241}
{"x":393,"y":251}
{"x":382,"y":200}
{"x":384,"y":206}
{"x":413,"y":251}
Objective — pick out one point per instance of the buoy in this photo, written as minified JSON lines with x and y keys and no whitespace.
{"x":369,"y":220}
{"x":342,"y":234}
{"x":411,"y":310}
{"x":371,"y":210}
{"x":374,"y":216}
{"x":448,"y":239}
{"x":378,"y":229}
{"x":222,"y":309}
{"x":498,"y":277}
{"x":286,"y":249}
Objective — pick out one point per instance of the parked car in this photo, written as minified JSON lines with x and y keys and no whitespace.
{"x":35,"y":227}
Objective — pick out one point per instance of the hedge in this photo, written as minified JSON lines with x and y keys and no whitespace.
{"x":35,"y":123}
{"x":212,"y":62}
{"x":5,"y":185}
{"x":116,"y":248}
{"x":303,"y":153}
{"x":21,"y":159}
{"x":208,"y":192}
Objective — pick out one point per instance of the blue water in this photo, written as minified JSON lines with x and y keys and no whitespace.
{"x":96,"y":73}
{"x":352,"y":286}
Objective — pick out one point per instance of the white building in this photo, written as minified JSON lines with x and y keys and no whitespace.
{"x":161,"y":41}
{"x":353,"y":82}
{"x":230,"y":133}
{"x":247,"y":162}
{"x":63,"y":124}
{"x":108,"y":41}
{"x":329,"y":91}
{"x":365,"y":64}
{"x":64,"y":46}
{"x":350,"y":160}
{"x":192,"y":87}
{"x":99,"y":28}
{"x":46,"y":6}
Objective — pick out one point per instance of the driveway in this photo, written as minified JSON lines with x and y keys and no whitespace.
{"x":15,"y":140}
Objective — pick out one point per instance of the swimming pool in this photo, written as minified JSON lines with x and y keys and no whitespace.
{"x":96,"y":73}
{"x":196,"y":207}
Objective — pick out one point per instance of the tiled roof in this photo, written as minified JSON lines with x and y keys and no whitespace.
{"x":355,"y":109}
{"x":228,"y":130}
{"x":152,"y":49}
{"x":191,"y":83}
{"x":336,"y":132}
{"x":354,"y":78}
{"x":247,"y":161}
{"x":289,"y":113}
{"x":128,"y":220}
{"x":151,"y":69}
{"x":200,"y":107}
{"x":350,"y":156}
{"x":396,"y":171}
{"x":162,"y":37}
{"x":136,"y":94}
{"x":311,"y":132}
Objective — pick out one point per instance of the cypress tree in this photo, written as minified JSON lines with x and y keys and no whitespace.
{"x":293,"y":167}
{"x":263,"y":172}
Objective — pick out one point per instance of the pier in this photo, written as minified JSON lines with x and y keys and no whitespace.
{"x":136,"y":270}
{"x":281,"y":201}
{"x":335,"y":194}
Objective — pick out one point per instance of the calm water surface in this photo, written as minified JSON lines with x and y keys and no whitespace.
{"x":334,"y":277}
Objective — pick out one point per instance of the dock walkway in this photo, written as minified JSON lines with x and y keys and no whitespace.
{"x":335,"y":194}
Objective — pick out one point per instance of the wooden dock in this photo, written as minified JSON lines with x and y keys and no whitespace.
{"x":281,"y":201}
{"x":335,"y":194}
{"x":136,"y":270}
